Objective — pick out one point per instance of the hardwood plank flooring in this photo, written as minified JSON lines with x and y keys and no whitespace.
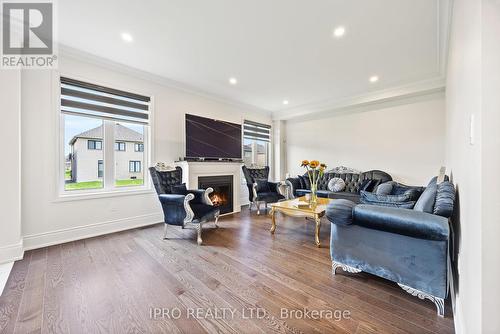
{"x":242,"y":280}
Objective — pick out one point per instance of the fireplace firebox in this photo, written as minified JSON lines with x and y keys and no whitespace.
{"x":222,"y":196}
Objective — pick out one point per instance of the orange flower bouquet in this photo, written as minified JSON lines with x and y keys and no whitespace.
{"x":315,"y":171}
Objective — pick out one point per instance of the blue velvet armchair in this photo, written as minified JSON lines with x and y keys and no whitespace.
{"x":405,"y":243}
{"x":260,"y":190}
{"x":183,"y":207}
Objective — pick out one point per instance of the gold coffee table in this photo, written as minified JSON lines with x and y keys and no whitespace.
{"x":291,"y":208}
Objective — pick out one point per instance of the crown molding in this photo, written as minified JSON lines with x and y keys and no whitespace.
{"x":329,"y":108}
{"x":72,"y":53}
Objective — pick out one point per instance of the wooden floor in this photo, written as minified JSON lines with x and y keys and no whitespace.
{"x":114,"y":283}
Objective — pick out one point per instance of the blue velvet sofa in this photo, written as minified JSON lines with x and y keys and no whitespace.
{"x":406,"y":246}
{"x":354,"y":183}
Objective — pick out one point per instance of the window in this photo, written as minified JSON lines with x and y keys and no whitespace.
{"x":120,"y":146}
{"x":99,"y":122}
{"x":100,"y":168}
{"x":94,"y":145}
{"x":256,"y":139}
{"x":134,"y":167}
{"x":139,"y":147}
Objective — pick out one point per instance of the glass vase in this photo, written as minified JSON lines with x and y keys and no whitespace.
{"x":314,"y":196}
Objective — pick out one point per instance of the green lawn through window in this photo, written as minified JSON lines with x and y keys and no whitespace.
{"x":98,"y":184}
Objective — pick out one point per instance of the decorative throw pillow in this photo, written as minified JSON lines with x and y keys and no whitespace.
{"x":336,"y":184}
{"x":302,"y":182}
{"x":262,"y":186}
{"x":426,"y":201}
{"x":385,"y":188}
{"x":373,"y":186}
{"x":307,"y":182}
{"x":365,"y":184}
{"x":399,"y":189}
{"x":445,"y":198}
{"x":179,"y":189}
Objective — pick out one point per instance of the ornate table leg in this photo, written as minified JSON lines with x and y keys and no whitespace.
{"x":273,"y":220}
{"x":317,"y":219}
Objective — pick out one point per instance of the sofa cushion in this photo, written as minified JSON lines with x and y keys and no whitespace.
{"x":445,"y":197}
{"x":368,"y":197}
{"x":345,"y":195}
{"x":323,"y":193}
{"x":336,"y":184}
{"x":402,"y":205}
{"x":426,"y":201}
{"x":401,"y":221}
{"x":269,"y":197}
{"x":340,"y":211}
{"x":302,"y":192}
{"x":203,"y":211}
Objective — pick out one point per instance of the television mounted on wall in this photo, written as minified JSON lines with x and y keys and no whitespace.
{"x":208,"y":138}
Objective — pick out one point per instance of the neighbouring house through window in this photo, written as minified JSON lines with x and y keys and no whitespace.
{"x":120,"y":146}
{"x":94,"y":144}
{"x":100,"y":168}
{"x":134,"y":167}
{"x":97,"y":119}
{"x":256,"y":144}
{"x":139,"y":147}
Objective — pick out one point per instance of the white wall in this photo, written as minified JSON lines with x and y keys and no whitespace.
{"x":406,"y":141}
{"x":473,"y":84}
{"x":10,"y":166}
{"x":47,"y":219}
{"x":490,"y":165}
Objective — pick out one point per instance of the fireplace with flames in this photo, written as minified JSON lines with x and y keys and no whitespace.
{"x":222,"y":196}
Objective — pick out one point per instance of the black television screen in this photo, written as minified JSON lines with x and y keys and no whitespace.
{"x":210,"y":138}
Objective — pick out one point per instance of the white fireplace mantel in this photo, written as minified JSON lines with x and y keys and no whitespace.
{"x":192,"y":170}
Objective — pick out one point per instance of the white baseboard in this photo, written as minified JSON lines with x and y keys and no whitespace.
{"x":11,"y":253}
{"x":40,"y":240}
{"x":4,"y":274}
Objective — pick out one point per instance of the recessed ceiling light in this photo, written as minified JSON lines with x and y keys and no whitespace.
{"x":339,"y":31}
{"x":285,"y":102}
{"x":126,"y":37}
{"x":373,"y":78}
{"x":233,"y":81}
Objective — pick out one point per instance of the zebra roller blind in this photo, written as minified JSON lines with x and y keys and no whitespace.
{"x":86,"y":99}
{"x":257,"y":131}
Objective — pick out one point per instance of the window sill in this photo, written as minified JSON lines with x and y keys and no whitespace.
{"x":81,"y":196}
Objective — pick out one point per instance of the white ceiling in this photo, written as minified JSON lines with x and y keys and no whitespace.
{"x":279,"y":49}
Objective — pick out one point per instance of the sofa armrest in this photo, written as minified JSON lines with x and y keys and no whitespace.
{"x":401,"y":221}
{"x":339,"y":211}
{"x":176,"y":208}
{"x":172,"y":199}
{"x":202,"y":196}
{"x":294,"y":184}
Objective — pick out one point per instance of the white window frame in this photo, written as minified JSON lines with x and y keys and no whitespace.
{"x":109,"y":188}
{"x":119,"y":143}
{"x":270,"y":157}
